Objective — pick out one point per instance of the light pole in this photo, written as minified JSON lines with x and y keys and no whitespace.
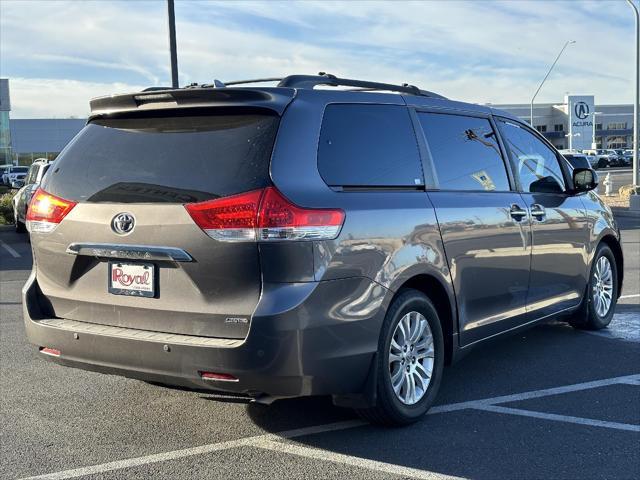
{"x":594,"y":145}
{"x":636,"y":170}
{"x":172,"y":44}
{"x":567,"y":43}
{"x":571,"y":136}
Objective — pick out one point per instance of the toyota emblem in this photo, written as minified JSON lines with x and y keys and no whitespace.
{"x":123,"y":223}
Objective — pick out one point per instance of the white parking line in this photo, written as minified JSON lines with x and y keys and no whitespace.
{"x":636,"y":295}
{"x":189,"y":452}
{"x":10,"y":249}
{"x":260,"y":440}
{"x":319,"y":454}
{"x":559,"y":418}
{"x":516,"y":397}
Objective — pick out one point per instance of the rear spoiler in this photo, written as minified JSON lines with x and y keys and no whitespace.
{"x":275,"y":99}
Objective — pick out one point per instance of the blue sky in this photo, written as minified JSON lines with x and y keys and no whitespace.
{"x":58,"y":54}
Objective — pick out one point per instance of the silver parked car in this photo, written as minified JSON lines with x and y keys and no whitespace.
{"x":27,"y":188}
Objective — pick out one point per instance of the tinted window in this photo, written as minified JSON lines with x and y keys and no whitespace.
{"x":32,"y":175}
{"x":19,"y":169}
{"x":176,"y":160}
{"x":536,"y":164}
{"x":465,"y":152}
{"x":577,"y":161}
{"x":368,"y":145}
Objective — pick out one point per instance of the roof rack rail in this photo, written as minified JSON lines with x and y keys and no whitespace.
{"x":255,"y":80}
{"x":310,"y":81}
{"x":156,"y":89}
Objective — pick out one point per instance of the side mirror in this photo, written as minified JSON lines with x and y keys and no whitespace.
{"x":17,"y":184}
{"x":584,"y":179}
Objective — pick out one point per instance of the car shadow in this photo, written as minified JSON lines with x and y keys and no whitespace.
{"x":477,"y":444}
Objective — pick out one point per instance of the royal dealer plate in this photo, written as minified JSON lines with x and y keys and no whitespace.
{"x":132,"y":279}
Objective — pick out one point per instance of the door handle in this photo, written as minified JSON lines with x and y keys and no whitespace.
{"x":517,"y":213}
{"x":538,"y":212}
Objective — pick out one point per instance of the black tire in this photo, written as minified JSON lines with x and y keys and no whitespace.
{"x":20,"y":227}
{"x":587,"y":318}
{"x":389,"y":410}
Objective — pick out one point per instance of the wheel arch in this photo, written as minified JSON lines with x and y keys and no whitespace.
{"x":438,"y":294}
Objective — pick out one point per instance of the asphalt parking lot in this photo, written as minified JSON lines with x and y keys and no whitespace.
{"x":619,"y":177}
{"x":552,"y":402}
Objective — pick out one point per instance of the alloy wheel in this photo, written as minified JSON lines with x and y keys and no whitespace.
{"x":411,"y":358}
{"x":602,"y":286}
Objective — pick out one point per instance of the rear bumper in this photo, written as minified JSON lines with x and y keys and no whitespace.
{"x":315,"y":338}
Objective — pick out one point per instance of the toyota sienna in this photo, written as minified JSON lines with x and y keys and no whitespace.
{"x":348,"y":240}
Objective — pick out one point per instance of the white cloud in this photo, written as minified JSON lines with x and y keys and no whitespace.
{"x":474,"y":51}
{"x":52,"y":98}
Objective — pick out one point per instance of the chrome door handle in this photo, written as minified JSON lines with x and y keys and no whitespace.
{"x":538,"y":212}
{"x":517,"y":213}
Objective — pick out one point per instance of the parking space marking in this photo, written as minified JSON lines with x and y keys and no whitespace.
{"x":320,"y":454}
{"x":636,"y":295}
{"x":261,"y":440}
{"x":200,"y":450}
{"x":559,"y":418}
{"x":535,"y":394}
{"x":10,"y":249}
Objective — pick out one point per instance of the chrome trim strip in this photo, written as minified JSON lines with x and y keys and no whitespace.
{"x":129,"y":252}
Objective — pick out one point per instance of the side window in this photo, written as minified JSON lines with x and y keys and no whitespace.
{"x":465,"y":152}
{"x":536,"y":164}
{"x":368,"y":145}
{"x":32,"y":175}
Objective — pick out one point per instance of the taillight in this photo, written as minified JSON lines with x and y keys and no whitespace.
{"x":264,"y":215}
{"x":279,"y":219}
{"x":230,"y":219}
{"x":46,"y":211}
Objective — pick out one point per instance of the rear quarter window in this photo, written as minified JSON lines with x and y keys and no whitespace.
{"x":368,"y":146}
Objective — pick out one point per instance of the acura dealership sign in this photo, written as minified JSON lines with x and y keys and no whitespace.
{"x":580,"y":110}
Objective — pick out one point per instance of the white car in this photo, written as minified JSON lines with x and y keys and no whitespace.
{"x":13,"y":173}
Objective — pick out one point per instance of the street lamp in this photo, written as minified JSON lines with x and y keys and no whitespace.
{"x":173,"y":54}
{"x":593,"y":120}
{"x":567,"y":43}
{"x":636,"y":107}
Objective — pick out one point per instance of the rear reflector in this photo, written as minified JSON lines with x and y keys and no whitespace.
{"x":50,"y":351}
{"x":46,"y":211}
{"x":220,"y":377}
{"x":264,"y":215}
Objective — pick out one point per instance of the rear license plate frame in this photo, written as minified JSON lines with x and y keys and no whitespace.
{"x":133,"y":292}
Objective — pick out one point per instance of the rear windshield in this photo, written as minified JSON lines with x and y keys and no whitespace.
{"x":577,"y":161}
{"x":19,"y":169}
{"x":174,"y":160}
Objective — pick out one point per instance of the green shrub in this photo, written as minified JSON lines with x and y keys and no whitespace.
{"x":6,"y":208}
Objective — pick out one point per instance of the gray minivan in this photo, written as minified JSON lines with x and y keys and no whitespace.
{"x":291,"y":240}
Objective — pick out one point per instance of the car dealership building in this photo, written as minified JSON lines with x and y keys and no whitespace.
{"x":571,"y":124}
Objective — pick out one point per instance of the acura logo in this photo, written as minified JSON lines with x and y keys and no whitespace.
{"x":123,"y":223}
{"x":582,"y":110}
